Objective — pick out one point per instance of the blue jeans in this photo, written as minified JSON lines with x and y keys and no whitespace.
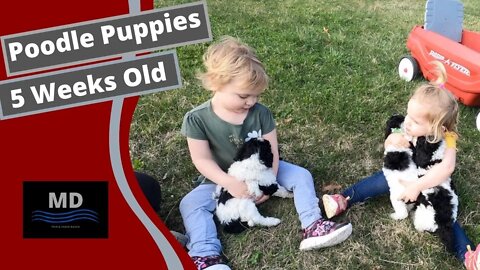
{"x":198,"y":206}
{"x":376,"y":185}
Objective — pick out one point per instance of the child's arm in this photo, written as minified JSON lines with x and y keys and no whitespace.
{"x":434,"y":177}
{"x":203,"y":161}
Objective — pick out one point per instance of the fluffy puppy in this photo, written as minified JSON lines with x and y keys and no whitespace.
{"x":435,"y":209}
{"x":253,"y":165}
{"x":398,"y":164}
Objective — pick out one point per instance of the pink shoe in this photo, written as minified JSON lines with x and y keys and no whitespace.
{"x":324,"y":233}
{"x":334,"y":204}
{"x":472,"y":260}
{"x":214,"y":262}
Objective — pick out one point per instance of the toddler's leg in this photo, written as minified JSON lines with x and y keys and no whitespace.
{"x":197,"y":209}
{"x":372,"y":186}
{"x":300,"y":181}
{"x":317,"y":232}
{"x":460,"y":241}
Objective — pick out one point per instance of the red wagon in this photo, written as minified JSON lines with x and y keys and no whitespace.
{"x":461,"y":61}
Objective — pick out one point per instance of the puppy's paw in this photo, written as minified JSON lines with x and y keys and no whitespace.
{"x":255,"y":192}
{"x":283,"y":193}
{"x":398,"y":216}
{"x":258,"y":193}
{"x":271,"y":221}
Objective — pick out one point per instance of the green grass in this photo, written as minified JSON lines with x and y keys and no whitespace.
{"x":333,"y":85}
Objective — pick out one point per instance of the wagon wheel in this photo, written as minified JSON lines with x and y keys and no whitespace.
{"x":408,"y":68}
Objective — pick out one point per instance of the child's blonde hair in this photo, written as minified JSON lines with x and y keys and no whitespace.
{"x":443,"y":114}
{"x":228,"y":59}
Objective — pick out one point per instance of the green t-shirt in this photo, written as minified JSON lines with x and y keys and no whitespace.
{"x":224,"y":138}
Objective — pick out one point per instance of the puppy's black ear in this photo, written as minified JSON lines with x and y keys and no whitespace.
{"x":246,"y":150}
{"x":224,"y":196}
{"x":266,"y":154}
{"x":423,"y":154}
{"x":395,"y":121}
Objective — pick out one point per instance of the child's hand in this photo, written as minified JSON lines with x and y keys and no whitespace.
{"x":238,"y":189}
{"x":397,"y":140}
{"x":411,"y":192}
{"x":261,"y":199}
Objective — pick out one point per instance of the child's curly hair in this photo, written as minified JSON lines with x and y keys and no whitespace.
{"x":228,"y":59}
{"x":443,"y":113}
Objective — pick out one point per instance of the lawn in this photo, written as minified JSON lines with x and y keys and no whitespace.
{"x":334,"y":82}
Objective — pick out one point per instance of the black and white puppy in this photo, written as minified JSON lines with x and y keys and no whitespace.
{"x":253,"y":165}
{"x":435,"y":209}
{"x":398,"y":164}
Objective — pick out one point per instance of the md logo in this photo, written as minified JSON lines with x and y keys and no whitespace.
{"x":64,"y":209}
{"x":74,"y":200}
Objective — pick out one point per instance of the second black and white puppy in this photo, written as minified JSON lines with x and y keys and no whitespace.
{"x":435,"y":209}
{"x":253,"y":165}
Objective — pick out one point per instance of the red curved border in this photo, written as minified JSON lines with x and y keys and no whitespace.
{"x":71,"y":145}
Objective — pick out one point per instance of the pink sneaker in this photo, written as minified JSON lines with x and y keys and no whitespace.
{"x":472,"y":260}
{"x":324,"y":233}
{"x":334,"y":204}
{"x":214,"y":262}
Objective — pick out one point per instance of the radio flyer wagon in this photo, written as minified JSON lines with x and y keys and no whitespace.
{"x":443,"y":38}
{"x":461,"y":61}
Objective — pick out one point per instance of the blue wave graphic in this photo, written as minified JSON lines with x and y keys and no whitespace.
{"x":64,"y":221}
{"x":65,"y":213}
{"x":59,"y":218}
{"x":65,"y":217}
